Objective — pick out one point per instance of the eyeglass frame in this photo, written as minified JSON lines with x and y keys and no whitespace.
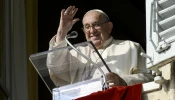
{"x":95,"y":26}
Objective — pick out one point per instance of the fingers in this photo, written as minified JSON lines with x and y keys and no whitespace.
{"x":68,"y":10}
{"x":110,"y":82}
{"x":112,"y":79}
{"x":62,"y":12}
{"x":71,"y":10}
{"x":75,"y":20}
{"x":112,"y":75}
{"x":69,"y":13}
{"x":74,"y":11}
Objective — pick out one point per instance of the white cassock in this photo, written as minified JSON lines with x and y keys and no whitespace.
{"x":122,"y":57}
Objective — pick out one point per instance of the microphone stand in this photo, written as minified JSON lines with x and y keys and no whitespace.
{"x":74,"y":34}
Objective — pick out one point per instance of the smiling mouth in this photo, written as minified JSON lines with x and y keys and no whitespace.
{"x":95,"y":35}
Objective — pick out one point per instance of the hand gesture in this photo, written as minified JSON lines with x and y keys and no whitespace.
{"x":67,"y":20}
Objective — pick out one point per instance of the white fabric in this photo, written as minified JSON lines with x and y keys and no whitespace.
{"x":122,"y":57}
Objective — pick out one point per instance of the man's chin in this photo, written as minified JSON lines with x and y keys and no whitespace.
{"x":96,"y":43}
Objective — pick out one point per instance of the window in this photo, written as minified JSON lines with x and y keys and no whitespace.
{"x":160,"y":30}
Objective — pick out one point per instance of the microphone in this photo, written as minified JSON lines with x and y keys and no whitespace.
{"x":74,"y":34}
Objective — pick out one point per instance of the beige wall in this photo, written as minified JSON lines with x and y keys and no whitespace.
{"x":168,"y":72}
{"x":31,"y":11}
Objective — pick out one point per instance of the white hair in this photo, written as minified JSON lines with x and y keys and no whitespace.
{"x":98,"y":10}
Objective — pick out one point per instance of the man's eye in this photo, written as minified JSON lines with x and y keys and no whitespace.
{"x":96,"y":25}
{"x":86,"y":27}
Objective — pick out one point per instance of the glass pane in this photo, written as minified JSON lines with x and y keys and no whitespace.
{"x":69,"y":71}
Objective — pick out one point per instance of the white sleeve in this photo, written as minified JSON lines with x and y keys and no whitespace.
{"x":53,"y":44}
{"x":58,"y":68}
{"x":138,"y":72}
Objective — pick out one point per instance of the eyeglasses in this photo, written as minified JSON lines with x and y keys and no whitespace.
{"x":96,"y":26}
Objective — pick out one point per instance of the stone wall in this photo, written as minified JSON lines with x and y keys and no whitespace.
{"x":167,"y":91}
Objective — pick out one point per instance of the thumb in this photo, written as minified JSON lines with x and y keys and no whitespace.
{"x":75,"y":20}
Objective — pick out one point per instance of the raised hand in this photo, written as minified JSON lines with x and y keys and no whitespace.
{"x":67,"y":20}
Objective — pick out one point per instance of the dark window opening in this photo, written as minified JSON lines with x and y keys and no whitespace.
{"x":128,"y":17}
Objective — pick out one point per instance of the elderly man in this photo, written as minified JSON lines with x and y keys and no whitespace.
{"x":122,"y":56}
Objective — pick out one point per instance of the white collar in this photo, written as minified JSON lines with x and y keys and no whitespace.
{"x":107,"y":43}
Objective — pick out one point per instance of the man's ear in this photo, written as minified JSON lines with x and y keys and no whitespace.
{"x":110,"y":26}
